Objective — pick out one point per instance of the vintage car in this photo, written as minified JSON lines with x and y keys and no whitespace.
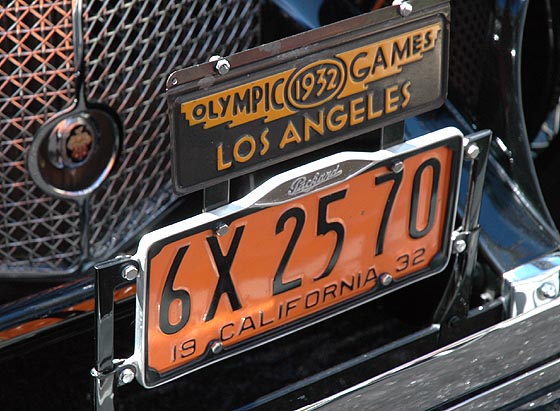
{"x":279,"y":204}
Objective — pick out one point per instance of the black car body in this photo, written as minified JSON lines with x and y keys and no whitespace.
{"x":86,"y":171}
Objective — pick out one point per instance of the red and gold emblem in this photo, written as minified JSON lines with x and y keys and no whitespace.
{"x":79,"y":143}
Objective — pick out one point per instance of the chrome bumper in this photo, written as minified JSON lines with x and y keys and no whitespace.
{"x":477,"y":370}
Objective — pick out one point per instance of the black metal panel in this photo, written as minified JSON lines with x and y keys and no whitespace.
{"x":485,"y":84}
{"x":512,"y":231}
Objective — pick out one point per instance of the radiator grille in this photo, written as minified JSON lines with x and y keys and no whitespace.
{"x":470,"y":23}
{"x":38,"y":233}
{"x":131,"y":46}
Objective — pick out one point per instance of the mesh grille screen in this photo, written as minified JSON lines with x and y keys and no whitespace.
{"x":469,"y":39}
{"x":131,"y":48}
{"x":136,"y":46}
{"x":36,"y":70}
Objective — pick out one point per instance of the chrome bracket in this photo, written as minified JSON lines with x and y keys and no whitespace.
{"x":109,"y":373}
{"x":454,"y":304}
{"x":532,"y":284}
{"x":459,"y":241}
{"x":105,"y":382}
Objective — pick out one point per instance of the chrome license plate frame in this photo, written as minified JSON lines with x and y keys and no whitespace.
{"x":271,"y":194}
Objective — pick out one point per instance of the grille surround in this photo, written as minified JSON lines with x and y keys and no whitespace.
{"x":130,"y":48}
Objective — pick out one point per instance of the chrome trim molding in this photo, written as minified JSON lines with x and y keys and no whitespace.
{"x":460,"y":370}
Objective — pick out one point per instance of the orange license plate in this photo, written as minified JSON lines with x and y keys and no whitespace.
{"x":307,"y":244}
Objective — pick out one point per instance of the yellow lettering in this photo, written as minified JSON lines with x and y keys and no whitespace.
{"x":385,"y":58}
{"x":405,"y":94}
{"x":356,"y":114}
{"x":240,"y":157}
{"x":430,"y":38}
{"x":259,"y":99}
{"x":339,"y":122}
{"x":221,"y":164}
{"x":372,"y":114}
{"x":290,"y":136}
{"x":391,"y":102}
{"x":309,"y":124}
{"x":379,"y":61}
{"x":264,"y":142}
{"x":359,"y":66}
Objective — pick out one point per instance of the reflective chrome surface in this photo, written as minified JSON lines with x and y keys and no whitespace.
{"x":455,"y":373}
{"x":521,"y":393}
{"x":532,"y":285}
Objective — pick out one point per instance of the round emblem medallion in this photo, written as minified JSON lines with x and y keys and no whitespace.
{"x":71,"y":142}
{"x":73,"y":153}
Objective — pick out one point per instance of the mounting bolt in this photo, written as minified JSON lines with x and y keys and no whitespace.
{"x":222,"y":64}
{"x":385,"y":279}
{"x":405,"y":8}
{"x":174,"y":81}
{"x":473,"y":151}
{"x":217,"y":347}
{"x":221,"y":229}
{"x":129,"y":272}
{"x":397,"y":167}
{"x":547,"y":291}
{"x":460,"y":246}
{"x":126,"y":376}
